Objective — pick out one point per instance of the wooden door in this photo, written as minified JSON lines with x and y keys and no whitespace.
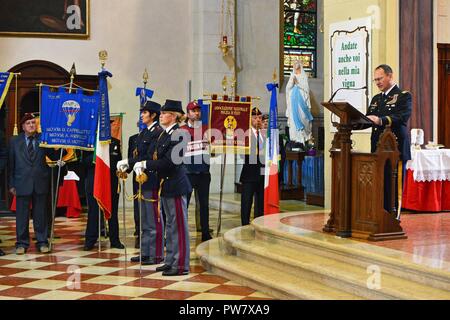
{"x":32,"y":73}
{"x":444,"y":95}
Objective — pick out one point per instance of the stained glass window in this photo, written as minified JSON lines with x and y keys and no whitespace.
{"x":300,"y":35}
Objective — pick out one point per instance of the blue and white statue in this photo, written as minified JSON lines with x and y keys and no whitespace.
{"x":298,"y":109}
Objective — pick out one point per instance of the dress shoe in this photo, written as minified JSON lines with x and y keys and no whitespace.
{"x":20,"y":251}
{"x":44,"y":249}
{"x":1,"y":253}
{"x":146,"y":261}
{"x":117,"y":245}
{"x":164,"y":267}
{"x":174,"y":272}
{"x":206,"y":237}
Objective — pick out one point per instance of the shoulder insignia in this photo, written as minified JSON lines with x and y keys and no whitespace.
{"x":405,"y":92}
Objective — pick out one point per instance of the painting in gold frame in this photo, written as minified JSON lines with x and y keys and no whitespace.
{"x":45,"y":18}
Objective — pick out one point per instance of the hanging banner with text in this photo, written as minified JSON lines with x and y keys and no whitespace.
{"x":351,"y":62}
{"x":5,"y":81}
{"x":229,"y":126}
{"x":69,"y":120}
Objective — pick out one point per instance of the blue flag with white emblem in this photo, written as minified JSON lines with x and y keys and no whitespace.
{"x":69,"y":120}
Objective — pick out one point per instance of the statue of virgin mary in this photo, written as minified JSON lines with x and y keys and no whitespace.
{"x":299,"y":105}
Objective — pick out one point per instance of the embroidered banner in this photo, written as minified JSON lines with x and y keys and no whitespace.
{"x":69,"y":120}
{"x":230,"y":126}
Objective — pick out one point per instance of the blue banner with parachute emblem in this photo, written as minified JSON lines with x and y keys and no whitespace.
{"x":69,"y":120}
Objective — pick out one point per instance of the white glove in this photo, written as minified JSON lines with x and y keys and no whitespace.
{"x":122,"y":165}
{"x":60,"y":163}
{"x":139,"y":167}
{"x":138,"y":171}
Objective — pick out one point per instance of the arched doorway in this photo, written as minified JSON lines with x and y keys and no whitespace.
{"x":32,"y":73}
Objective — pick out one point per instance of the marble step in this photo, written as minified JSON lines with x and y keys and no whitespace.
{"x":278,"y":284}
{"x":355,"y":253}
{"x":327,"y":271}
{"x":228,"y":205}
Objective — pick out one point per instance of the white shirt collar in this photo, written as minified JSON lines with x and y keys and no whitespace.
{"x":255,"y":132}
{"x":152,"y":125}
{"x":390,"y":89}
{"x":170,"y":128}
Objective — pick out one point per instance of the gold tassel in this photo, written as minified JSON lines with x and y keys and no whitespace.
{"x":400,"y":187}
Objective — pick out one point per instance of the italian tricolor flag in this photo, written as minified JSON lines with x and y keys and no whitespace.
{"x":271,"y":186}
{"x":102,"y":179}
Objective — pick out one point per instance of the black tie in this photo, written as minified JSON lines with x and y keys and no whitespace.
{"x":257,"y":142}
{"x":31,"y":147}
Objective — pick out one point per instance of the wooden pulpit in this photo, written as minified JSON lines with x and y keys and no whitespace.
{"x":359,"y":181}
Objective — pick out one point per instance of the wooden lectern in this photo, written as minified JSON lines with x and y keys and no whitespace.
{"x":359,"y":180}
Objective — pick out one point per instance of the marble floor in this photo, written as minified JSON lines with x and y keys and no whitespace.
{"x":69,"y":273}
{"x":428,"y":234}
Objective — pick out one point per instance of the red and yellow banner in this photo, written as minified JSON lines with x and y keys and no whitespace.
{"x":229,"y":125}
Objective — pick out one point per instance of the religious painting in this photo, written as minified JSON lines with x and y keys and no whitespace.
{"x":47,"y":18}
{"x":299,"y":36}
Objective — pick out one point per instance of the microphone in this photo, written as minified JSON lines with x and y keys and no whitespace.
{"x":336,"y":92}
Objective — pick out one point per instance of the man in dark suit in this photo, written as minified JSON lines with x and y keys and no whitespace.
{"x":91,"y":235}
{"x":392,"y":107}
{"x":29,"y":182}
{"x":252,"y":176}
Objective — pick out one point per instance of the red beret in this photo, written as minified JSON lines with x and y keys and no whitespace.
{"x":192,"y":106}
{"x":26,"y":117}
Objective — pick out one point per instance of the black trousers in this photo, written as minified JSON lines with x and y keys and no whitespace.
{"x":39,"y":212}
{"x":200,"y":183}
{"x":252,"y":190}
{"x":92,"y":223}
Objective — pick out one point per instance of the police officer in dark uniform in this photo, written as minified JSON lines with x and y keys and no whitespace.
{"x":168,"y":162}
{"x":252,"y":175}
{"x":392,"y":107}
{"x":152,"y":223}
{"x":91,"y":235}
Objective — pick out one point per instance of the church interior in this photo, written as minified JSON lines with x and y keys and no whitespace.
{"x":335,"y":236}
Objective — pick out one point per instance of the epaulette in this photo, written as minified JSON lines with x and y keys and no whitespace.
{"x":405,"y":92}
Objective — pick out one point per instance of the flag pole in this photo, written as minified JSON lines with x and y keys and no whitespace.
{"x":99,"y":231}
{"x":56,"y":200}
{"x":54,"y":204}
{"x":222,"y":180}
{"x":124,"y":220}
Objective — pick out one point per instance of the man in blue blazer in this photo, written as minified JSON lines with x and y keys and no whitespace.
{"x":29,"y":181}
